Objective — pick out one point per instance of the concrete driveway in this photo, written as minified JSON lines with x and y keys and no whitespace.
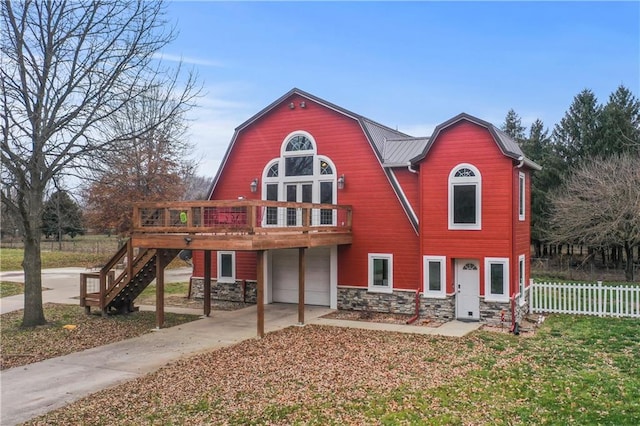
{"x":38,"y":388}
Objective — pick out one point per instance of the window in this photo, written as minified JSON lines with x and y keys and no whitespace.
{"x":381,"y":273}
{"x":435,"y":281}
{"x":325,"y":168}
{"x":272,"y":195}
{"x":521,"y":279}
{"x":496,"y":279}
{"x":226,"y":267}
{"x":299,"y":175}
{"x":465,"y":189}
{"x":299,"y":143}
{"x":273,"y":170}
{"x":521,"y":196}
{"x":326,"y":197}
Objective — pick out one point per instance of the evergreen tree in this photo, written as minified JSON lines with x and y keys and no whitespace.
{"x":538,"y":147}
{"x":61,"y":216}
{"x":513,"y":126}
{"x":576,"y":136}
{"x":620,"y":125}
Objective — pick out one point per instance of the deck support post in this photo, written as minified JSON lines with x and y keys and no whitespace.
{"x":159,"y":289}
{"x":301,"y":272}
{"x":260,"y":292}
{"x":207,"y":283}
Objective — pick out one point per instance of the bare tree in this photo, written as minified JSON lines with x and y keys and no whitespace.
{"x":198,"y":187}
{"x":599,"y":206}
{"x":154,"y":166}
{"x":69,"y":70}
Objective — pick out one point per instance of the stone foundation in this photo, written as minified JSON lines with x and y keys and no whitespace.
{"x":440,"y":309}
{"x":403,"y":302}
{"x":240,"y":291}
{"x":492,"y":312}
{"x":359,"y":299}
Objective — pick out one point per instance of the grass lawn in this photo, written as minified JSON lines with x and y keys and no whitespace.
{"x":11,"y":259}
{"x":574,"y":370}
{"x":8,"y":288}
{"x":22,"y":346}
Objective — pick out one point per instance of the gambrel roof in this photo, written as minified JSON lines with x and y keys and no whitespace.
{"x":507,"y":145}
{"x":393,"y":148}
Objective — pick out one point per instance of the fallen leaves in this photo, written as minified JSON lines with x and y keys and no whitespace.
{"x":70,"y":330}
{"x":279,"y":378}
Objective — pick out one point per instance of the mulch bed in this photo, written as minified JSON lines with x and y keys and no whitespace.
{"x":383,"y":317}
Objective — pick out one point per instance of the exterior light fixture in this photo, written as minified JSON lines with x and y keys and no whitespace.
{"x":254,"y":185}
{"x":303,"y":104}
{"x":292,"y":105}
{"x":341,"y":182}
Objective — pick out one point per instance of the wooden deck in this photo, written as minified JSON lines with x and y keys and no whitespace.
{"x":240,"y":225}
{"x":161,"y":230}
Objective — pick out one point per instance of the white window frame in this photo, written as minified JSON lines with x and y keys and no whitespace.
{"x":232,"y":278}
{"x":522,"y":279}
{"x":491,"y":297}
{"x":376,"y":288}
{"x":442,"y":293}
{"x":522,"y":192}
{"x":471,"y":180}
{"x":314,"y":179}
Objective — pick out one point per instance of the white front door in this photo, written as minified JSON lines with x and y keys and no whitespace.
{"x":467,"y":289}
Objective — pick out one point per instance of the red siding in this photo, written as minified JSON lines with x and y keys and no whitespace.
{"x":522,"y":229}
{"x":465,"y":142}
{"x":380,"y":225}
{"x":410,"y":184}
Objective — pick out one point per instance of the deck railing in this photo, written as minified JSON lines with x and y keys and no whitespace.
{"x":240,"y":216}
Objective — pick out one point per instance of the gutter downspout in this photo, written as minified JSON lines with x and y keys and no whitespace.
{"x":417,"y":315}
{"x":514,"y":327}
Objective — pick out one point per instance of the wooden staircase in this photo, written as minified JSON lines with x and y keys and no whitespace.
{"x":123,"y":278}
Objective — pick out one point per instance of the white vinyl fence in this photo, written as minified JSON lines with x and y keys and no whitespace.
{"x":585,"y":299}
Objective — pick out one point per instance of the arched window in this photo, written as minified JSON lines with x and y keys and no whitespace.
{"x":465,"y":198}
{"x":299,"y":175}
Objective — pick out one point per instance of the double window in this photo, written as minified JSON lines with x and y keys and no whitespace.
{"x":496,"y":279}
{"x":465,"y":198}
{"x":380,"y":273}
{"x":435,"y":273}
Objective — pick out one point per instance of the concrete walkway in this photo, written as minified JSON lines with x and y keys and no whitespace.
{"x":38,"y":388}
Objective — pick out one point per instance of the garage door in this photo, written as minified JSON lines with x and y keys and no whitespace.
{"x":317,"y":276}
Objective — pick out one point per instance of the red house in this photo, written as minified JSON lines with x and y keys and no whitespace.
{"x":445,"y":218}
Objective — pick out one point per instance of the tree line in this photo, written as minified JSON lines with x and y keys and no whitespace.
{"x":588,"y":191}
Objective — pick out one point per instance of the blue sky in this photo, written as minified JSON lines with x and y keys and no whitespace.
{"x":408,"y":65}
